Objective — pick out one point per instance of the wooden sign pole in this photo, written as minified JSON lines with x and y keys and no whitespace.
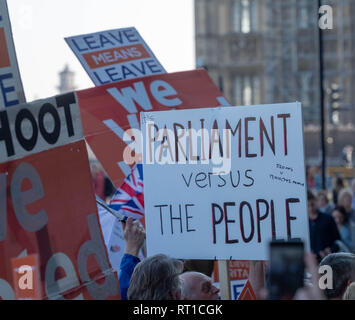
{"x":224,"y":279}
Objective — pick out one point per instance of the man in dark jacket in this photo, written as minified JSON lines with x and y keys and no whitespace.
{"x":323,"y":230}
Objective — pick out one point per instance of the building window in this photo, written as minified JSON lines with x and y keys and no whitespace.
{"x":303,"y":15}
{"x":244,"y":16}
{"x":246,"y":90}
{"x":305,"y":86}
{"x":236,"y":16}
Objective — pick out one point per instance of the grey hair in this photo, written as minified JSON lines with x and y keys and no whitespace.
{"x":186,"y":288}
{"x":155,"y":278}
{"x":343,"y":268}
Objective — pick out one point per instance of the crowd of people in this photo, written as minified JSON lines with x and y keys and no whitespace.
{"x":331,"y":225}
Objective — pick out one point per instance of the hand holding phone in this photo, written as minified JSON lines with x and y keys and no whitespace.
{"x":286,"y":269}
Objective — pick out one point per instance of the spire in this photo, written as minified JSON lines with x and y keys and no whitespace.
{"x":66,"y":80}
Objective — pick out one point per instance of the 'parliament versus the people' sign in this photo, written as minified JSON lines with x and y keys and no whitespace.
{"x":220,"y":183}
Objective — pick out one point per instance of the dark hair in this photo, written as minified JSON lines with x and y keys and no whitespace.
{"x":343,"y":212}
{"x":154,"y":278}
{"x":343,"y":268}
{"x":310,"y":195}
{"x":339,"y":182}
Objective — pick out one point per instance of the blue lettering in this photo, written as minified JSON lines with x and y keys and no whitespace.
{"x":104,"y":40}
{"x":130,"y":35}
{"x":78,"y":47}
{"x":89,"y":42}
{"x":5,"y":90}
{"x":126,"y":72}
{"x":112,"y":74}
{"x":98,"y":78}
{"x":119,"y":39}
{"x":142,"y":71}
{"x":237,"y":290}
{"x":154,"y":68}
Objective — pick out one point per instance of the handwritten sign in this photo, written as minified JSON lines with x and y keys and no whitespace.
{"x":221,"y":183}
{"x":11,"y":90}
{"x":115,"y":55}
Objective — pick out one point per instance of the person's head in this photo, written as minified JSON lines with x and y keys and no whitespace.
{"x":197,"y":286}
{"x":339,"y":183}
{"x":312,"y":203}
{"x":345,"y":199}
{"x":342,"y":265}
{"x":322,"y":199}
{"x":156,"y":278}
{"x":340,"y":216}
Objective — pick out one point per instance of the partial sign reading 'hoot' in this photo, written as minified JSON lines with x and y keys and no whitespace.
{"x":221,"y":183}
{"x":39,"y":126}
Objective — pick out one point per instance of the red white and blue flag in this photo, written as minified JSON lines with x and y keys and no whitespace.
{"x":129,"y":198}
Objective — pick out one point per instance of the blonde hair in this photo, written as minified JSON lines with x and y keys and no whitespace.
{"x":343,"y":192}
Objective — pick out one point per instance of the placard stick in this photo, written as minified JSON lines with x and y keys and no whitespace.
{"x":224,"y":279}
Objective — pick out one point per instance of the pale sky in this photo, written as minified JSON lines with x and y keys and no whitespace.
{"x":40,"y":26}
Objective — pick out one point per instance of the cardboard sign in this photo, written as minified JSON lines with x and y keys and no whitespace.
{"x":225,"y":182}
{"x":247,"y":292}
{"x":47,"y":203}
{"x":109,"y":111}
{"x":236,"y":288}
{"x":26,"y":277}
{"x":11,"y":90}
{"x":238,"y":270}
{"x":114,"y":55}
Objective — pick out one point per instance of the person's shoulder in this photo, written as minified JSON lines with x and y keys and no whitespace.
{"x":325,"y":217}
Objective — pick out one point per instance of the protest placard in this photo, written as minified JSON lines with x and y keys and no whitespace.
{"x":238,"y":270}
{"x":47,"y":202}
{"x":225,"y":182}
{"x":114,"y":55}
{"x":11,"y":90}
{"x":106,"y":128}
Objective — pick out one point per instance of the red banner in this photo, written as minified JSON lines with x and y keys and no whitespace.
{"x":47,"y":206}
{"x":108,"y":111}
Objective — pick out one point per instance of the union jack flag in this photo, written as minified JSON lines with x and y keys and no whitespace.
{"x":129,"y":198}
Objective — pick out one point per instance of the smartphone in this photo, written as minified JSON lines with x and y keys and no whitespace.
{"x":286,"y":273}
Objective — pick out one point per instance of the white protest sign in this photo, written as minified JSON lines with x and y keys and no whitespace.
{"x":114,"y":55}
{"x":221,"y":183}
{"x":112,"y":232}
{"x":11,"y":90}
